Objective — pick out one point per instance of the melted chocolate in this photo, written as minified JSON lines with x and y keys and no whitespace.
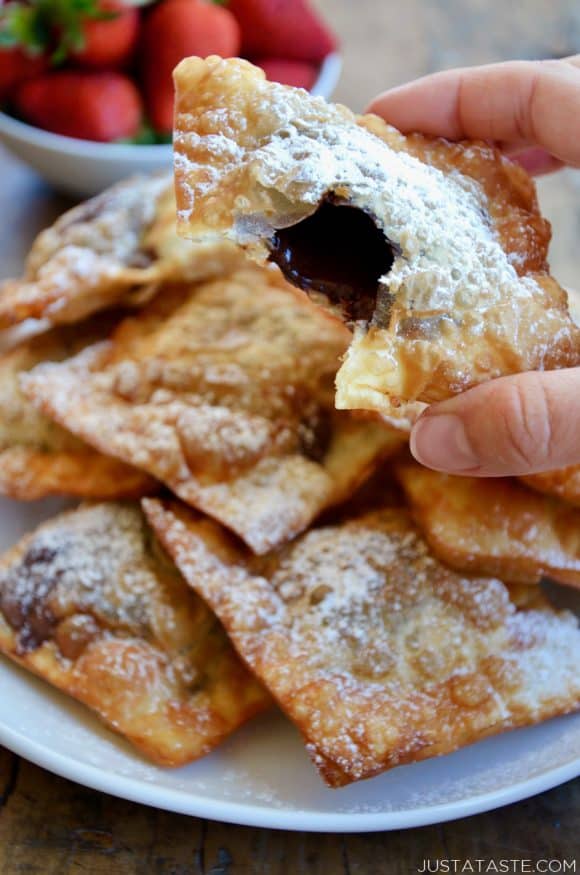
{"x":24,"y":594}
{"x":338,"y":251}
{"x":315,"y":434}
{"x":86,"y":212}
{"x":142,"y":258}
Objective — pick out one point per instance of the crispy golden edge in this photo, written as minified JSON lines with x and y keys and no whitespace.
{"x":73,"y":270}
{"x":564,"y":483}
{"x":210,"y":181}
{"x":37,"y":457}
{"x":202,"y":85}
{"x":82,"y":264}
{"x":128,"y":679}
{"x":276,"y":496}
{"x":494,"y":526}
{"x":356,"y":730}
{"x":29,"y":475}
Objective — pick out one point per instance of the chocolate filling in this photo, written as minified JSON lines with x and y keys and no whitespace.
{"x":142,"y":258}
{"x":315,"y":434}
{"x":24,"y":595}
{"x":338,"y":251}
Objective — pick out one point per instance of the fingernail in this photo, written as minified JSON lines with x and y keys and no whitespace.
{"x":536,"y":161}
{"x":441,"y":442}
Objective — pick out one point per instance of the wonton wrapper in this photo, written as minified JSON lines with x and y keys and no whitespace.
{"x":38,"y":457}
{"x":225,"y":393}
{"x":455,"y":290}
{"x":91,"y":603}
{"x":564,"y":483}
{"x":118,"y":246}
{"x":379,"y":654}
{"x":494,"y":526}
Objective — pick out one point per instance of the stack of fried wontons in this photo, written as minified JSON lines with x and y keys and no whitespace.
{"x":242,"y":542}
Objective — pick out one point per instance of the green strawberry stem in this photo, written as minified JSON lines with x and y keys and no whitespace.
{"x":54,"y":27}
{"x":147,"y":136}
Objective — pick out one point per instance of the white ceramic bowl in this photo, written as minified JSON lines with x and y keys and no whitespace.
{"x":82,"y":168}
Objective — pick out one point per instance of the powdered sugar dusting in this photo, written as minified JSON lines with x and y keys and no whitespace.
{"x":88,"y":562}
{"x":95,"y":606}
{"x":111,"y":224}
{"x":380,"y":654}
{"x":338,"y":585}
{"x":467,"y":296}
{"x":224,"y":391}
{"x":304,"y":148}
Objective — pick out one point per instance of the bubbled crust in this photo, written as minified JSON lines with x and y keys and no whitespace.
{"x":350,"y":627}
{"x":39,"y":458}
{"x":90,"y":603}
{"x":89,"y":258}
{"x":251,"y":156}
{"x":224,"y":391}
{"x":494,"y":526}
{"x":563,"y":483}
{"x":115,"y":247}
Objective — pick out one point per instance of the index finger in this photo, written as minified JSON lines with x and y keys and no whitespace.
{"x":530,"y":102}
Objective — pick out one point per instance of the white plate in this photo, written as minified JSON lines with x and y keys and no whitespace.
{"x":262,"y":776}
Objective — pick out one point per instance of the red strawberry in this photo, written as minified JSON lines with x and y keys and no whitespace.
{"x":282,"y":29}
{"x":109,"y":42}
{"x":173,"y":30}
{"x":88,"y":106}
{"x":297,"y":73}
{"x":160,"y":105}
{"x":16,"y":66}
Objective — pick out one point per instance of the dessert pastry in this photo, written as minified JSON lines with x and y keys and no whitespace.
{"x":378,"y":653}
{"x":115,"y":247}
{"x":91,"y":603}
{"x":38,"y":457}
{"x":224,"y":391}
{"x":436,"y":251}
{"x":494,"y":526}
{"x":564,"y":483}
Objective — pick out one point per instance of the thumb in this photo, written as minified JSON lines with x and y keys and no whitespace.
{"x":509,"y":426}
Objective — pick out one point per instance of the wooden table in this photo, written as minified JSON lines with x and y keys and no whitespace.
{"x":49,"y":826}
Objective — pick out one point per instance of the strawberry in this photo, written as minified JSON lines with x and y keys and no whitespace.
{"x":173,"y":30}
{"x":282,"y":29}
{"x":16,"y":66}
{"x":98,"y":33}
{"x":85,"y":105}
{"x":297,"y":73}
{"x":108,"y":41}
{"x":160,"y":104}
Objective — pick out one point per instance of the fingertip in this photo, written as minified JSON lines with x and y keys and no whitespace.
{"x":427,"y":105}
{"x":524,"y":102}
{"x":537,"y":162}
{"x":440,"y":441}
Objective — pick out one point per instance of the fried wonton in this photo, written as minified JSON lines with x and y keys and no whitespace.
{"x":564,"y":483}
{"x":91,"y":603}
{"x":494,"y":526}
{"x":117,"y":246}
{"x":378,"y":653}
{"x":436,"y":251}
{"x":38,"y":457}
{"x":225,"y":393}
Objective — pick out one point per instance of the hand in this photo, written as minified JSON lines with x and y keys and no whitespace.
{"x":531,"y":110}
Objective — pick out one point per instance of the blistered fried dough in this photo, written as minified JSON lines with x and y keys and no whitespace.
{"x":564,"y":483}
{"x":494,"y":526}
{"x":436,"y":251}
{"x":38,"y":457}
{"x":117,"y":246}
{"x":225,"y":393}
{"x":91,"y":603}
{"x":378,"y":653}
